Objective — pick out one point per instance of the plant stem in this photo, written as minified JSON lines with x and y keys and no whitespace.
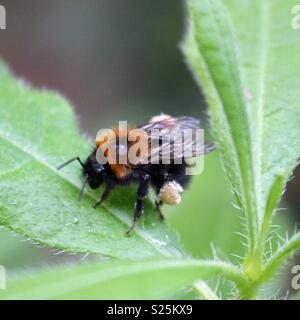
{"x":274,"y":195}
{"x":254,"y":262}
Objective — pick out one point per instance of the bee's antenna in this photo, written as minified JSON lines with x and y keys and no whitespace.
{"x":82,"y":189}
{"x":69,"y":161}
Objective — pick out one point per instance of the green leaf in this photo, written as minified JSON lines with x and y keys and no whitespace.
{"x":210,"y":49}
{"x":117,"y":280}
{"x":245,"y":57}
{"x":272,"y":77}
{"x":38,"y":131}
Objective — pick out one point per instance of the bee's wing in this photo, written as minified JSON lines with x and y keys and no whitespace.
{"x":166,"y":139}
{"x":169,"y":124}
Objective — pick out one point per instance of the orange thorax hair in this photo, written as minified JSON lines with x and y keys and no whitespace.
{"x":113,"y":139}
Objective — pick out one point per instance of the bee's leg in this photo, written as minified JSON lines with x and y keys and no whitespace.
{"x":104,"y":196}
{"x":158,"y":205}
{"x":139,"y":204}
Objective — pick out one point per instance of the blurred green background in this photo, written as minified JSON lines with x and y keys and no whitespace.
{"x":120,"y":60}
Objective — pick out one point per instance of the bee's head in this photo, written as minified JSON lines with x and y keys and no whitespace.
{"x":94,"y":172}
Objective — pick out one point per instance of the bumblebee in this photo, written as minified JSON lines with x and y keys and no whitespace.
{"x":167,"y":178}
